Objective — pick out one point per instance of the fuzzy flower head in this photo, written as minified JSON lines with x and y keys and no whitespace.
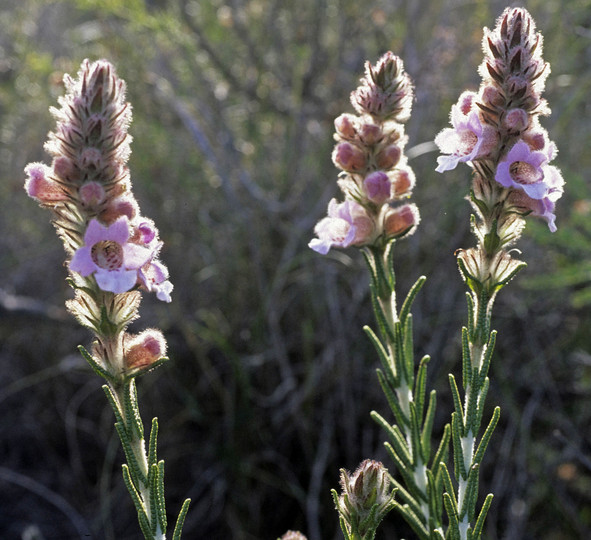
{"x":109,"y":256}
{"x":386,"y":91}
{"x":497,"y":130}
{"x":513,"y":62}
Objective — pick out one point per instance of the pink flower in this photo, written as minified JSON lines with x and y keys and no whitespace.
{"x":347,"y":224}
{"x":108,"y":255}
{"x":468,"y":140}
{"x":543,"y":207}
{"x":526,"y":170}
{"x":41,"y":187}
{"x":154,"y":277}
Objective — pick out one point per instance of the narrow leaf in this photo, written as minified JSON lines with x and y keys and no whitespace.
{"x":487,"y":435}
{"x":428,"y":427}
{"x":152,"y":445}
{"x":96,"y":367}
{"x":466,"y":358}
{"x":421,"y":386}
{"x":392,"y":398}
{"x":456,"y":436}
{"x":396,"y":439}
{"x":385,"y":360}
{"x":410,"y":297}
{"x":453,"y":531}
{"x":478,"y":526}
{"x":487,"y":356}
{"x":455,"y":394}
{"x":442,"y":450}
{"x":469,"y":504}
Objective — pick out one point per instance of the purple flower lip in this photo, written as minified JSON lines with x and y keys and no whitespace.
{"x":110,"y":257}
{"x":524,"y":169}
{"x":347,"y":224}
{"x":466,"y":141}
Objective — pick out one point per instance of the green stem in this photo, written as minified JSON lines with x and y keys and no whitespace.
{"x":133,"y":442}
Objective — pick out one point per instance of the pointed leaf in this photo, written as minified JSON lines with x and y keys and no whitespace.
{"x":428,"y":427}
{"x":385,"y":360}
{"x":487,"y":435}
{"x":178,"y":528}
{"x":96,"y":367}
{"x":392,"y":398}
{"x":421,"y":385}
{"x":410,"y":297}
{"x":481,"y":517}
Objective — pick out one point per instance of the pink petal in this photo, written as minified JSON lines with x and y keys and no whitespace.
{"x":119,"y":231}
{"x":95,"y":232}
{"x":135,"y":256}
{"x":82,"y":262}
{"x":116,"y":281}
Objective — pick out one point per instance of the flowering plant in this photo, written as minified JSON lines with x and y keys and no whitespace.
{"x":497,"y":133}
{"x":112,"y":255}
{"x":512,"y":179}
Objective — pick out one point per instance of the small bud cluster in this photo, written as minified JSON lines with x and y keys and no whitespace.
{"x":112,"y":249}
{"x":375,"y":174}
{"x":497,"y":129}
{"x":365,"y":498}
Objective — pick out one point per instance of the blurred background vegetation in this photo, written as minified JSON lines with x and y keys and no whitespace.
{"x":272,"y":378}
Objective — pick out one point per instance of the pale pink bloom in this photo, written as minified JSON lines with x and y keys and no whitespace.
{"x":544,"y":207}
{"x":154,"y":277}
{"x":109,"y":255}
{"x":39,"y":186}
{"x":347,"y":224}
{"x":469,"y":139}
{"x":527,"y":170}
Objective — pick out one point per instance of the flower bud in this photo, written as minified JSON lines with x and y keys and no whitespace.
{"x":64,"y":168}
{"x":491,"y":96}
{"x":91,"y":158}
{"x":91,"y":194}
{"x":293,"y":535}
{"x":377,"y":186}
{"x":401,"y":221}
{"x":403,"y":180}
{"x":370,"y":133}
{"x":349,"y":157}
{"x":144,"y":350}
{"x":345,"y":126}
{"x":516,"y":120}
{"x":365,"y":499}
{"x":124,"y":205}
{"x":388,"y":157}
